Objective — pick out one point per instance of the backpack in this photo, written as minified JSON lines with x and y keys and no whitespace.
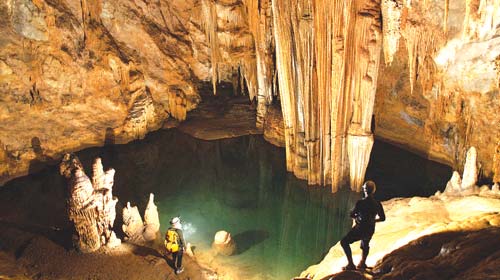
{"x":172,"y":241}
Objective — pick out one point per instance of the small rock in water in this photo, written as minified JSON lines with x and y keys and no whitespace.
{"x":223,"y":243}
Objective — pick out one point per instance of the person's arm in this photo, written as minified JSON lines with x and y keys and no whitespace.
{"x":380,"y":213}
{"x":354,"y":211}
{"x":182,"y":244}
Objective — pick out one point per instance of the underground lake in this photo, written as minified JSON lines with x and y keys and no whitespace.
{"x":240,"y":185}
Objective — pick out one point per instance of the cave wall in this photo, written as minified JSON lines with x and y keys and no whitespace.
{"x":85,"y":73}
{"x":439,"y":87}
{"x":92,"y":72}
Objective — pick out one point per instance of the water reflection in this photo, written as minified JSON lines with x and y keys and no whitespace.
{"x":239,"y":185}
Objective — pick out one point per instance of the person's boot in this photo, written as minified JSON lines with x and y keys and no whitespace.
{"x":361,"y":265}
{"x":349,"y":266}
{"x":179,"y":270}
{"x":362,"y":262}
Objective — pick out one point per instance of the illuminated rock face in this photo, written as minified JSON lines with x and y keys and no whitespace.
{"x":441,"y":80}
{"x":86,"y":73}
{"x":91,"y":205}
{"x":327,"y":55}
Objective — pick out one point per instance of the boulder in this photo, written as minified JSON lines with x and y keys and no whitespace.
{"x":223,"y":243}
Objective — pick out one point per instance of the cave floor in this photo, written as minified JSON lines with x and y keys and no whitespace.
{"x":30,"y":253}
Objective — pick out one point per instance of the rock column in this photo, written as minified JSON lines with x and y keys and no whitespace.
{"x":327,"y":55}
{"x":91,"y":205}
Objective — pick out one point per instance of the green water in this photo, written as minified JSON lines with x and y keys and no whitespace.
{"x":240,"y":185}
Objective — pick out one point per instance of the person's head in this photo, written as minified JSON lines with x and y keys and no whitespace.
{"x":175,"y":222}
{"x":369,"y":188}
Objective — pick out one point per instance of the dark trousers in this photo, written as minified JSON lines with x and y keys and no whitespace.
{"x":363,"y":233}
{"x":177,"y":259}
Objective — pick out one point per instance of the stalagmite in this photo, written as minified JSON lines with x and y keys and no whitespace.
{"x":132,"y":222}
{"x":454,"y":185}
{"x":467,"y":184}
{"x":469,"y":177}
{"x":135,"y":229}
{"x":90,"y":207}
{"x":151,"y":220}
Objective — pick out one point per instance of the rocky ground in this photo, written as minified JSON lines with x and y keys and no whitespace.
{"x":35,"y":243}
{"x":441,"y":237}
{"x":31,"y":255}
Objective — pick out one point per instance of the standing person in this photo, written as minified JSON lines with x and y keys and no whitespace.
{"x":174,"y":242}
{"x":365,"y":215}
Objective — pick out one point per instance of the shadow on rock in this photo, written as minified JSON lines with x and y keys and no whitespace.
{"x":249,"y":238}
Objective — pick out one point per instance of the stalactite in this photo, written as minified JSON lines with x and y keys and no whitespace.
{"x":363,"y":61}
{"x":210,"y":25}
{"x":445,"y":19}
{"x":391,"y":12}
{"x":359,"y":146}
{"x":481,"y":19}
{"x":321,"y":47}
{"x":422,"y":42}
{"x":91,"y":11}
{"x":260,"y":23}
{"x":281,"y":22}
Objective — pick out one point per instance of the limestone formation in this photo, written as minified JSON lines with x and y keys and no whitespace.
{"x":443,"y":77}
{"x":467,"y":184}
{"x":91,"y":205}
{"x":223,"y":243}
{"x":328,"y":57}
{"x":469,"y":177}
{"x":133,"y":226}
{"x":454,"y":185}
{"x":151,"y":220}
{"x":117,"y":70}
{"x":273,"y":127}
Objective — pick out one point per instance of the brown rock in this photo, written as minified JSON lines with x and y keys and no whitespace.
{"x":273,"y":127}
{"x":91,"y":207}
{"x":223,"y":243}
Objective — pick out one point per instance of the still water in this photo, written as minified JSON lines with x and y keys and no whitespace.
{"x":240,"y":185}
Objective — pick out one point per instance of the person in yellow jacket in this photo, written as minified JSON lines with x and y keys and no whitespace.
{"x":174,"y":243}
